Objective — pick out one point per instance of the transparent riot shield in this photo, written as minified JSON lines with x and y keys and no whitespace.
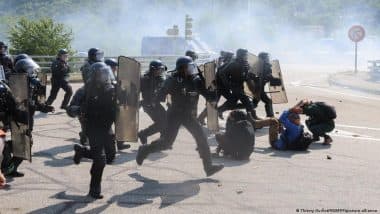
{"x":278,"y":93}
{"x":212,"y":112}
{"x":127,"y":104}
{"x":43,"y":79}
{"x":2,"y":73}
{"x":21,"y":138}
{"x":256,"y":66}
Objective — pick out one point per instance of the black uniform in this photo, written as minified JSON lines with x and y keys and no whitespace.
{"x":74,"y":110}
{"x":60,"y":79}
{"x":7,"y":63}
{"x":8,"y":112}
{"x":98,"y":110}
{"x":149,"y":86}
{"x":36,"y":89}
{"x":182,"y":111}
{"x":264,"y":78}
{"x":232,"y":77}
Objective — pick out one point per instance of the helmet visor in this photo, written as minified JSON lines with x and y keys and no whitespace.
{"x":99,"y":56}
{"x":191,"y":69}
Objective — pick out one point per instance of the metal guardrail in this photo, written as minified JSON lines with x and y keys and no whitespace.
{"x":76,"y":62}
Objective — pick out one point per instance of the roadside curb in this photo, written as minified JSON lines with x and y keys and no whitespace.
{"x":342,"y":79}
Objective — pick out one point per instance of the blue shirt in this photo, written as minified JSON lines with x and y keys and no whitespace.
{"x":290,"y":133}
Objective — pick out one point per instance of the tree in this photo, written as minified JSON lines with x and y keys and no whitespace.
{"x":39,"y":37}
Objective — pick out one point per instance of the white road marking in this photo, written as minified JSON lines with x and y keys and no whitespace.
{"x":357,"y":127}
{"x":358,"y":138}
{"x":342,"y":93}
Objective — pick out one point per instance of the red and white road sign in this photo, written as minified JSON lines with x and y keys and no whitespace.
{"x":356,"y":33}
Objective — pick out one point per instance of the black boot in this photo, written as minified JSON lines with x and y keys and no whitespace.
{"x":143,"y":138}
{"x":78,"y":149}
{"x":328,"y":140}
{"x":95,"y":195}
{"x":269,"y":110}
{"x":82,"y":138}
{"x":213,"y":168}
{"x":142,"y":153}
{"x":95,"y":189}
{"x":210,"y":168}
{"x":121,"y":146}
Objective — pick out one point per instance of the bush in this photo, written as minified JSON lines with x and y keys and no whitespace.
{"x":39,"y":37}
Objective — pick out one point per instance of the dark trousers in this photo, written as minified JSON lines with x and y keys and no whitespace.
{"x":99,"y":139}
{"x":320,"y":129}
{"x":220,"y":92}
{"x":268,"y":103}
{"x":174,"y":122}
{"x":158,"y":115}
{"x":10,"y":163}
{"x":231,"y":103}
{"x":55,"y":86}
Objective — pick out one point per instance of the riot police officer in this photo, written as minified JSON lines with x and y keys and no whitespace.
{"x":222,"y":90}
{"x":5,"y":59}
{"x":150,"y":82}
{"x":94,"y":55}
{"x":184,"y":86}
{"x":98,"y":110}
{"x":264,"y":78}
{"x":60,"y":79}
{"x":9,"y":112}
{"x":232,"y":77}
{"x":225,"y":58}
{"x":36,"y":89}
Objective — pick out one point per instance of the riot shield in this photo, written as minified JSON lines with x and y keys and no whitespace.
{"x":277,"y":93}
{"x":256,"y":66}
{"x":127,"y":102}
{"x":43,"y":79}
{"x":212,"y":112}
{"x":2,"y":73}
{"x":21,"y":138}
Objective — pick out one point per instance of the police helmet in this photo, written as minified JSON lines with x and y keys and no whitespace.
{"x":264,"y":56}
{"x":187,"y":63}
{"x":241,"y":53}
{"x":27,"y":66}
{"x":63,"y":52}
{"x":100,"y":73}
{"x":95,"y":54}
{"x":111,"y":62}
{"x":20,"y":57}
{"x":192,"y":54}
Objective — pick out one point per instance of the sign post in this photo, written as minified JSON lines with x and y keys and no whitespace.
{"x":356,"y":34}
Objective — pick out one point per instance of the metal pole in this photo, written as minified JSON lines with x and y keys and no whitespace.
{"x":356,"y":57}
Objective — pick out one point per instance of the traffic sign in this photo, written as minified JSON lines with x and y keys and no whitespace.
{"x":356,"y":33}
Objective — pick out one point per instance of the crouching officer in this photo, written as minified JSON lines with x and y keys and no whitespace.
{"x":60,"y":79}
{"x":321,"y":119}
{"x":98,"y":110}
{"x":151,"y":81}
{"x":184,"y":86}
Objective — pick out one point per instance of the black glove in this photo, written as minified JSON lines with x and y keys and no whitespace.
{"x":275,"y":81}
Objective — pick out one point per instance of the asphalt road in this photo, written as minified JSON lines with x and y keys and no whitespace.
{"x":174,"y":182}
